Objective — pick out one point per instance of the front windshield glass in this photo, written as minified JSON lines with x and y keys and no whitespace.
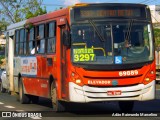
{"x":112,"y":43}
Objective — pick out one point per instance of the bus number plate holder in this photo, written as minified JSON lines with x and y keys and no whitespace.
{"x":114,"y":92}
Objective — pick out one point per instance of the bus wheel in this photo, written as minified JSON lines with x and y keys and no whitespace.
{"x":57,"y":105}
{"x":2,"y":89}
{"x":126,"y":106}
{"x":34,"y":99}
{"x":23,"y":98}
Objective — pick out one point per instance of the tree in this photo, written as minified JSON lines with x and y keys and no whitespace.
{"x":157,"y":37}
{"x":18,"y":10}
{"x":3,"y":24}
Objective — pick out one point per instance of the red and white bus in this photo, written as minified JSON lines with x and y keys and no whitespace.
{"x":84,"y":53}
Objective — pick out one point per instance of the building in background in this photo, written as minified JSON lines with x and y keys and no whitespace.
{"x":2,"y":39}
{"x":2,"y":50}
{"x":2,"y":43}
{"x":155,"y":12}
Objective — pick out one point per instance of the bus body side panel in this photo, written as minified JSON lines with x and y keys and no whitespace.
{"x":9,"y":63}
{"x":10,"y":56}
{"x":44,"y":69}
{"x":17,"y":71}
{"x":36,"y":86}
{"x":37,"y":82}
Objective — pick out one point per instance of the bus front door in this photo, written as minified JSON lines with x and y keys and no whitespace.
{"x":64,"y":84}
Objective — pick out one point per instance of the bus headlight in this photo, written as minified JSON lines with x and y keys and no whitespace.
{"x":76,"y":79}
{"x":147,"y":79}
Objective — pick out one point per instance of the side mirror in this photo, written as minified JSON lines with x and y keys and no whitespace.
{"x":66,"y":38}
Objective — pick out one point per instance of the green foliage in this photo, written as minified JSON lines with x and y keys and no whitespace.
{"x":1,"y":58}
{"x":39,"y":11}
{"x":1,"y":48}
{"x":157,"y":37}
{"x":18,"y":10}
{"x":3,"y":24}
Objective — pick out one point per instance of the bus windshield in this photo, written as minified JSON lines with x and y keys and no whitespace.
{"x":112,"y":43}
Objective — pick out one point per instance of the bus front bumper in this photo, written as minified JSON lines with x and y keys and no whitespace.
{"x":138,"y":92}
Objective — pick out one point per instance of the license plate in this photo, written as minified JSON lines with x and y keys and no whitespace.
{"x":114,"y":92}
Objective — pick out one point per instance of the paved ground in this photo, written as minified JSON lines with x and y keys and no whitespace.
{"x":98,"y":111}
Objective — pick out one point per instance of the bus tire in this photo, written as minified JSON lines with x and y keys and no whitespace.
{"x":3,"y":90}
{"x":23,"y":98}
{"x":34,"y":99}
{"x":58,"y":106}
{"x":126,"y":106}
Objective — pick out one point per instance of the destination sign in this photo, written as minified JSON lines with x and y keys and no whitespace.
{"x":109,"y":12}
{"x":83,"y":55}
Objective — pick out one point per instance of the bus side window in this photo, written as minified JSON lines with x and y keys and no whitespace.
{"x":22,"y":35}
{"x":17,"y":42}
{"x":51,"y":30}
{"x":31,"y":41}
{"x":25,"y":42}
{"x":40,"y":39}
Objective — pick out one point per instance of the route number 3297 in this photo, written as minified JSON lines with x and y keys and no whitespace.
{"x":128,"y":73}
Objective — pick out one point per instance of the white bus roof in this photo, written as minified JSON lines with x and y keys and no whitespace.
{"x":11,"y":28}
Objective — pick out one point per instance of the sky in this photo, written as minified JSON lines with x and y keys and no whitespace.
{"x":51,"y":5}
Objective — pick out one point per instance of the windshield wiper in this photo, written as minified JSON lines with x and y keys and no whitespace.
{"x":95,"y":28}
{"x":128,"y":36}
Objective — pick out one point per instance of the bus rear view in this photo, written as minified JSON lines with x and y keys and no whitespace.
{"x":112,"y":54}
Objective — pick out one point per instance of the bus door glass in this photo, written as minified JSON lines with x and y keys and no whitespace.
{"x":63,"y":63}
